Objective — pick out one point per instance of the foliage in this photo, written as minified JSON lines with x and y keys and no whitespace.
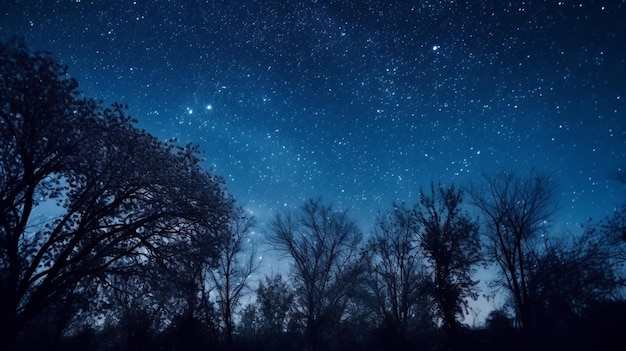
{"x":274,"y":298}
{"x":85,"y":194}
{"x":569,"y":275}
{"x":451,"y":245}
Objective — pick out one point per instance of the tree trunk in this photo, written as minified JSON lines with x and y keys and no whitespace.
{"x":9,"y":330}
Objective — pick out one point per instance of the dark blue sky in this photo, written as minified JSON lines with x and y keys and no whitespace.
{"x":360,"y":102}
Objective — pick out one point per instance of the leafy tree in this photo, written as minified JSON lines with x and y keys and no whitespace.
{"x":84,"y":195}
{"x":249,"y":327}
{"x":614,"y":225}
{"x":135,"y":330}
{"x":176,"y":284}
{"x":274,"y":299}
{"x":169,"y":289}
{"x":324,"y":246}
{"x":570,"y":274}
{"x":451,"y":244}
{"x":516,"y":211}
{"x":265,"y":322}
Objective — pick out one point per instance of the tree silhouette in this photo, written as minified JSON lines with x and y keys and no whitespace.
{"x":397,"y":272}
{"x":569,"y":274}
{"x":274,"y":298}
{"x":266,"y":321}
{"x":451,"y":244}
{"x":234,"y":266}
{"x":614,"y":225}
{"x":516,"y":211}
{"x":83,"y":193}
{"x":323,"y":245}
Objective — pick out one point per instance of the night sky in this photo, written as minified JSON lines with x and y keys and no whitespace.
{"x":359,"y":102}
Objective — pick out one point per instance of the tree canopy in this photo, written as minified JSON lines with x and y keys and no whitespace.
{"x":83,"y":192}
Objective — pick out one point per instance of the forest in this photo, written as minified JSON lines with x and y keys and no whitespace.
{"x":111,"y":239}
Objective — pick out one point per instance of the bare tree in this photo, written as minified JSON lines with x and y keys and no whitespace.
{"x":516,"y":213}
{"x":397,"y":271}
{"x":236,"y":263}
{"x":323,"y":245}
{"x":451,"y":244}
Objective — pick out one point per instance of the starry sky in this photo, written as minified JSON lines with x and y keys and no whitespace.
{"x":359,"y":102}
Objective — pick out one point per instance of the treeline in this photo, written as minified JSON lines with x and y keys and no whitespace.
{"x":111,"y":239}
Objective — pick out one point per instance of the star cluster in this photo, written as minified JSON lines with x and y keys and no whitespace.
{"x":360,"y":102}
